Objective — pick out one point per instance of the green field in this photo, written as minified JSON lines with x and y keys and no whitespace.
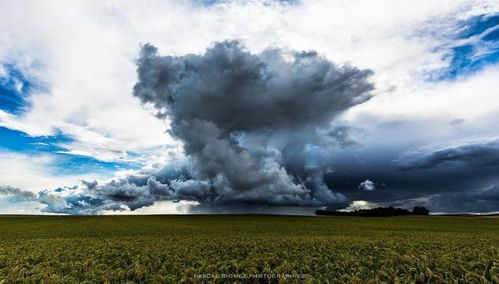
{"x":249,"y":248}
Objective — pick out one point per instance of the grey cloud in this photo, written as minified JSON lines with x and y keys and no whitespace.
{"x":90,"y":184}
{"x":240,"y":91}
{"x":473,"y":153}
{"x":475,"y":201}
{"x":490,"y":194}
{"x":457,"y":121}
{"x":342,"y":136}
{"x":18,"y":193}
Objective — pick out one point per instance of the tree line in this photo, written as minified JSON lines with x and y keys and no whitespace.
{"x":375,"y":212}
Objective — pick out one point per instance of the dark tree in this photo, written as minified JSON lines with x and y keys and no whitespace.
{"x":420,"y":211}
{"x":375,"y":212}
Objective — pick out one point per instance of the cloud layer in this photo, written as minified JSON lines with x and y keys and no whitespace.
{"x":477,"y":152}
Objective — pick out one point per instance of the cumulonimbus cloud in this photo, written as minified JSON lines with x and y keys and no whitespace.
{"x":220,"y":101}
{"x":250,"y":125}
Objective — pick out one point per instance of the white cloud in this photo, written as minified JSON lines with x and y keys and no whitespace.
{"x":468,"y":97}
{"x":367,"y":185}
{"x":87,"y":69}
{"x":360,"y":205}
{"x":164,"y":207}
{"x":37,"y":172}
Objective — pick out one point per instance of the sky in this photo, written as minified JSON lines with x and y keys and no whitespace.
{"x":231,"y":106}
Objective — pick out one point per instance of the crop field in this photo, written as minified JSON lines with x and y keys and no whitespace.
{"x":248,"y":249}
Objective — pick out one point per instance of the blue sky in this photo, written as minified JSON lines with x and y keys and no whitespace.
{"x":14,"y":88}
{"x":17,"y":141}
{"x":480,"y":35}
{"x":67,"y":104}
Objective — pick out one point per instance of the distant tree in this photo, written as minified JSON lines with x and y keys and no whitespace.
{"x":375,"y":212}
{"x":420,"y":211}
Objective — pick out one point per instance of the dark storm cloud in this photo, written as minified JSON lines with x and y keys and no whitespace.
{"x":240,"y":91}
{"x":473,"y":153}
{"x":259,"y":132}
{"x":254,"y":128}
{"x":476,"y":201}
{"x":237,"y":114}
{"x":455,"y":183}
